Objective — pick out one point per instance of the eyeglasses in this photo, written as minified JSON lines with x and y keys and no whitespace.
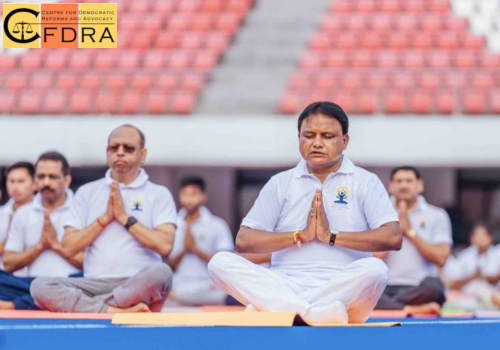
{"x":126,"y":148}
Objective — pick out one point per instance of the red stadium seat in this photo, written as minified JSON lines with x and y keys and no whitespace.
{"x":106,"y":103}
{"x":290,"y":104}
{"x":80,"y":102}
{"x":30,"y":102}
{"x":446,"y":103}
{"x":156,"y":103}
{"x":367,"y":102}
{"x":8,"y":101}
{"x":421,"y":102}
{"x":394,"y":102}
{"x":41,"y":80}
{"x":182,"y":103}
{"x":495,"y":101}
{"x":142,"y":81}
{"x":7,"y":62}
{"x":474,"y":102}
{"x":55,"y":102}
{"x":91,"y":81}
{"x":130,"y":103}
{"x":17,"y":82}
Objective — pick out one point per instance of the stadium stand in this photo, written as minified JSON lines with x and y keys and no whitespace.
{"x":167,"y":51}
{"x":398,"y":57}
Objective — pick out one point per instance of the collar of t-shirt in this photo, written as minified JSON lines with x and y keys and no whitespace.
{"x":38,"y":205}
{"x":347,"y":167}
{"x":204,"y":214}
{"x":139,"y":181}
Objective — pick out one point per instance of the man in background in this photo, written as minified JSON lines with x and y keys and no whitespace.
{"x":475,"y":271}
{"x":21,"y":187}
{"x":35,"y":234}
{"x":199,"y":235}
{"x":413,"y":283}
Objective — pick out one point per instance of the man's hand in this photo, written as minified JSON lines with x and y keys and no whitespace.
{"x":108,"y":216}
{"x":402,"y":208}
{"x":189,"y":243}
{"x":309,"y":233}
{"x":49,"y":235}
{"x":322,"y":226}
{"x":119,"y":212}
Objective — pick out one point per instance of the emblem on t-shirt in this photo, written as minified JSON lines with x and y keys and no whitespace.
{"x":342,"y":193}
{"x":137,"y":205}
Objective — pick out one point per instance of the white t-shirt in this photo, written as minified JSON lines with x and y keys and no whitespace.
{"x":354,"y":199}
{"x":468,"y":261}
{"x":116,"y":253}
{"x":211,"y":234}
{"x":408,"y":267}
{"x":8,"y":211}
{"x":4,"y":228}
{"x":26,"y":232}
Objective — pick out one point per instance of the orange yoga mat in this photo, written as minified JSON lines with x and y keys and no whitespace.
{"x":244,"y":319}
{"x":24,"y":314}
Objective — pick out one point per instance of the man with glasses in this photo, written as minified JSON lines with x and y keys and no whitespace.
{"x":125,"y":224}
{"x":36,"y":232}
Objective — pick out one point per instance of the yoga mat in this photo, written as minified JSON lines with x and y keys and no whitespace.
{"x":456,"y":313}
{"x":25,"y":314}
{"x":245,"y":319}
{"x":388,"y":314}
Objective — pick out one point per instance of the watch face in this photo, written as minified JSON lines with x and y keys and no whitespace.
{"x":131,"y":221}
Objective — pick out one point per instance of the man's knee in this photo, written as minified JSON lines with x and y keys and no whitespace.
{"x":160,"y":274}
{"x":40,"y":290}
{"x":433,"y":289}
{"x":219,"y":262}
{"x":376,"y":270}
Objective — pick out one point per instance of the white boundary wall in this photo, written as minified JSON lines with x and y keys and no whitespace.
{"x":256,"y":141}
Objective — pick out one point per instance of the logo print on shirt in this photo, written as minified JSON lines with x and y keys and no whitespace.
{"x":137,"y":205}
{"x":342,"y":193}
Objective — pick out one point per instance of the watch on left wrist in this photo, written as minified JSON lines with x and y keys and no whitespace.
{"x":130,"y":222}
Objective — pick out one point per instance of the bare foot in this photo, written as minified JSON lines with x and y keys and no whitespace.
{"x":141,"y":307}
{"x":7,"y":305}
{"x":429,"y":308}
{"x":495,"y":298}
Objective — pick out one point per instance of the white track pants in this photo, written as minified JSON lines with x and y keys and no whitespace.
{"x":358,"y":285}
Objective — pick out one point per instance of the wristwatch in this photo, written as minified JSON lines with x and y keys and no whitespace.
{"x":333,"y":237}
{"x":130,"y":222}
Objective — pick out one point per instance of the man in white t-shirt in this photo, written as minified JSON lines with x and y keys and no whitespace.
{"x":35,"y":234}
{"x":125,"y":224}
{"x":413,"y":283}
{"x":320,"y":220}
{"x":20,"y":183}
{"x":198,"y":237}
{"x":475,"y":271}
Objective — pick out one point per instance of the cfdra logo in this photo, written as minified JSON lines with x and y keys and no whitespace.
{"x":59,"y":25}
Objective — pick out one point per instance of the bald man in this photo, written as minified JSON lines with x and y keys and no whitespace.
{"x":125,"y":224}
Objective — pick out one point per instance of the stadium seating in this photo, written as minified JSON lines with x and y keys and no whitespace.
{"x":166,"y":51}
{"x":397,"y":57}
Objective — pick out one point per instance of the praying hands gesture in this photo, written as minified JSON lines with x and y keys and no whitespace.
{"x":115,"y":209}
{"x":49,"y":235}
{"x":317,"y":221}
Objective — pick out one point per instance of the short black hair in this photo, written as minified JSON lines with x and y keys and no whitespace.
{"x":193,"y":181}
{"x":406,"y":168}
{"x":58,"y":157}
{"x":329,"y":109}
{"x":483,"y":224}
{"x":29,"y":167}
{"x":142,"y":138}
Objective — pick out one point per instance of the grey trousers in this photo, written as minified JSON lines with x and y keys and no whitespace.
{"x":151,"y":286}
{"x":431,"y":289}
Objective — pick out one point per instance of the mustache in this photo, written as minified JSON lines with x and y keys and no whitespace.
{"x":46,"y":189}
